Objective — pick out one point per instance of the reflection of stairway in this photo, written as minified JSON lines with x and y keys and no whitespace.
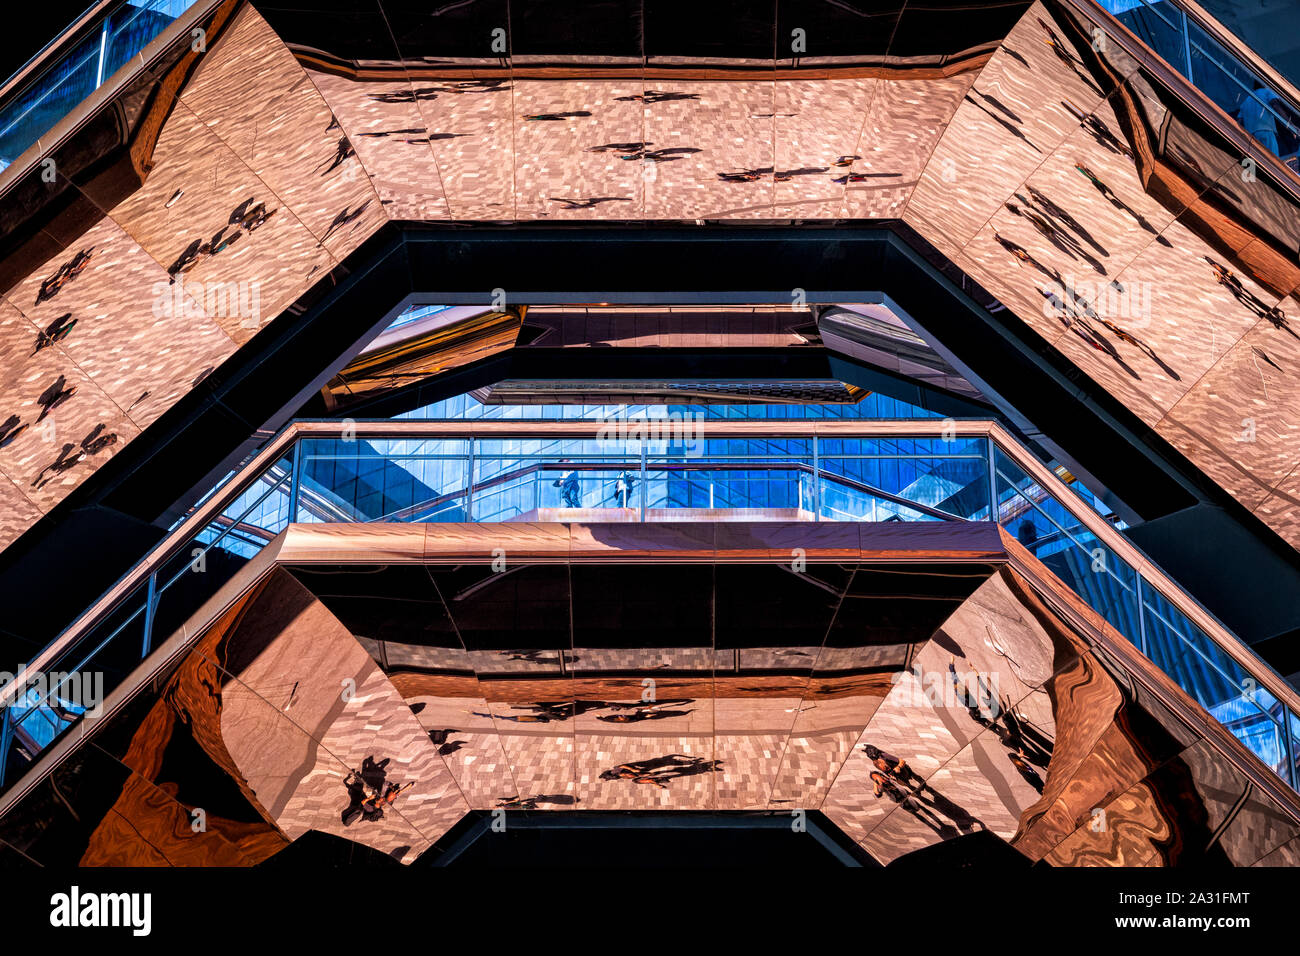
{"x":932,"y":490}
{"x":294,"y":733}
{"x":257,"y":691}
{"x":922,"y":721}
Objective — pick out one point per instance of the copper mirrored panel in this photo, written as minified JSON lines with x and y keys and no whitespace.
{"x":913,"y":700}
{"x":1139,"y":235}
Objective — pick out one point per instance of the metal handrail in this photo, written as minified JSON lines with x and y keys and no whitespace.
{"x":991,"y":437}
{"x":1203,"y":21}
{"x":1237,"y":47}
{"x":536,"y":469}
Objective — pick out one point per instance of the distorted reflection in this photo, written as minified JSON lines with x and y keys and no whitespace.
{"x":1148,"y":240}
{"x":911,"y":702}
{"x":1096,"y":203}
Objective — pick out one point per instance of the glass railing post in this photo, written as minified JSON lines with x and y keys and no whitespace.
{"x":1142,"y":616}
{"x":644,"y":489}
{"x":103,"y":50}
{"x":469,"y":484}
{"x":4,"y":742}
{"x":1288,"y":749}
{"x":817,"y":480}
{"x":150,"y":605}
{"x":988,"y":470}
{"x":294,"y":481}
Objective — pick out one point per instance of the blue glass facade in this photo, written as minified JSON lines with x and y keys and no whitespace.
{"x":123,"y":33}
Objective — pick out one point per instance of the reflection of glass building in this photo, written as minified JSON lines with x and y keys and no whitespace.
{"x":900,"y":478}
{"x":81,"y":69}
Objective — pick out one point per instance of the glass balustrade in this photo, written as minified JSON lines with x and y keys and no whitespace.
{"x":36,"y":107}
{"x":1264,"y":112}
{"x":638,"y":477}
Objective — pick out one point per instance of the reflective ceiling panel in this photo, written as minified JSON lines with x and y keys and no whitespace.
{"x":910,"y":701}
{"x":1069,"y":180}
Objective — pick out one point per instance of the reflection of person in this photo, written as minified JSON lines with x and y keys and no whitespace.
{"x":960,"y":694}
{"x":1256,"y":117}
{"x":71,"y":454}
{"x":1021,"y":763}
{"x":67,"y":272}
{"x":54,"y":396}
{"x":56,"y":331}
{"x":369,"y":792}
{"x":623,"y":487}
{"x":11,"y":429}
{"x":661,"y":769}
{"x":896,"y":767}
{"x":96,"y":441}
{"x":920,"y":800}
{"x":542,"y":713}
{"x":881,"y":786}
{"x":571,"y":491}
{"x":373,"y":806}
{"x":357,"y":795}
{"x":641,"y":714}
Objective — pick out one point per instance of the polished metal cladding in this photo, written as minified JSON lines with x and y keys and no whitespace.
{"x":516,"y":645}
{"x":914,"y":694}
{"x":1062,"y":172}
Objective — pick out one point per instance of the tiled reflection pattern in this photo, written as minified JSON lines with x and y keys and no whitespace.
{"x":109,"y":320}
{"x":1054,"y":171}
{"x":1002,"y":720}
{"x":1125,"y":233}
